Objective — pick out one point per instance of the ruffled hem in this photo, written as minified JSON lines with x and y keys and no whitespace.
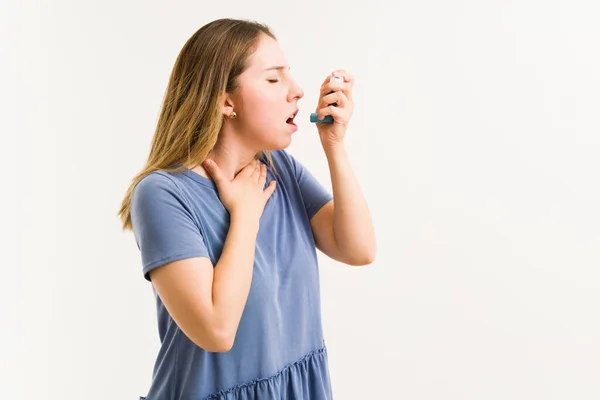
{"x":305,"y":378}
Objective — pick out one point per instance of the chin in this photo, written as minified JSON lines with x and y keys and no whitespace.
{"x":281,"y":146}
{"x":284,"y":142}
{"x":276,"y":139}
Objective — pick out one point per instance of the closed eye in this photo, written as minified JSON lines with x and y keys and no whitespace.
{"x":273,"y":80}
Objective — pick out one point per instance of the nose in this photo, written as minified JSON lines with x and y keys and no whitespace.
{"x":296,"y":91}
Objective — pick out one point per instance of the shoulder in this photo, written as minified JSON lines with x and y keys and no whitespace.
{"x":285,"y":160}
{"x":155,"y":186}
{"x":157,"y":202}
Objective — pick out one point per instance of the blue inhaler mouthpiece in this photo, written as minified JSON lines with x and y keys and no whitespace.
{"x":314,"y":117}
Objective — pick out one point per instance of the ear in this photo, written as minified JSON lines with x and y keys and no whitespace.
{"x":228,"y":107}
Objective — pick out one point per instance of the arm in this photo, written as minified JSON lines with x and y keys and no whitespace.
{"x":207,"y":303}
{"x":345,"y":231}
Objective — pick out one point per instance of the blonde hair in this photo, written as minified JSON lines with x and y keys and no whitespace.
{"x":191,"y":118}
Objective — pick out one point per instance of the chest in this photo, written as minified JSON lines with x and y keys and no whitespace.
{"x":285,"y":254}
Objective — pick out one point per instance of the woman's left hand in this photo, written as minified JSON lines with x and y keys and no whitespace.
{"x":333,"y":134}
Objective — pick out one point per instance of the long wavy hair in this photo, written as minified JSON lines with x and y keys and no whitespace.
{"x":207,"y":67}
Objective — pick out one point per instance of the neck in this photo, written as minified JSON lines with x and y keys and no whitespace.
{"x":230,"y":159}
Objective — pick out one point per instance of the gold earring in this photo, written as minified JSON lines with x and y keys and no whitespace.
{"x":233,"y":115}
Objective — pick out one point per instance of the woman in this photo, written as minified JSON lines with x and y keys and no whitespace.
{"x":227,"y":223}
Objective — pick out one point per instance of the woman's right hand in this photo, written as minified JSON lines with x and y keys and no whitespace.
{"x":244,"y":195}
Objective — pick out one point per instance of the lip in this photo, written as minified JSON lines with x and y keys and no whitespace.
{"x":295,"y":112}
{"x":292,"y":124}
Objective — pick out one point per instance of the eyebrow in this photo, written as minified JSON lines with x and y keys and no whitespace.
{"x":277,"y":67}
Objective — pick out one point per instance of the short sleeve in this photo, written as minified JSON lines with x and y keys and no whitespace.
{"x":163,"y":225}
{"x":314,"y":194}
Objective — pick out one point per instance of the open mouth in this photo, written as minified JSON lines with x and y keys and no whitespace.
{"x":290,"y":120}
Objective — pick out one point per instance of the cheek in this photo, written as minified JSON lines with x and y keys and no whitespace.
{"x":264,"y":107}
{"x":265,"y":110}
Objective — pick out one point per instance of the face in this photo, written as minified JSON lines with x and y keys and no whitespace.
{"x":267,"y":97}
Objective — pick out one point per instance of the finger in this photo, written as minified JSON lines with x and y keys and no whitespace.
{"x":338,"y":98}
{"x":215,"y":172}
{"x":249,"y":169}
{"x":337,"y":87}
{"x":338,"y":113}
{"x":348,"y":77}
{"x":263,"y":174}
{"x":256,"y":171}
{"x":270,"y":189}
{"x":327,"y":82}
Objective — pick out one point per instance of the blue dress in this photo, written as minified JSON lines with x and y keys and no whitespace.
{"x":279,"y":350}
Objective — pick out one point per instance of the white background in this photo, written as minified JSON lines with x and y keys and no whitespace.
{"x":475,"y":139}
